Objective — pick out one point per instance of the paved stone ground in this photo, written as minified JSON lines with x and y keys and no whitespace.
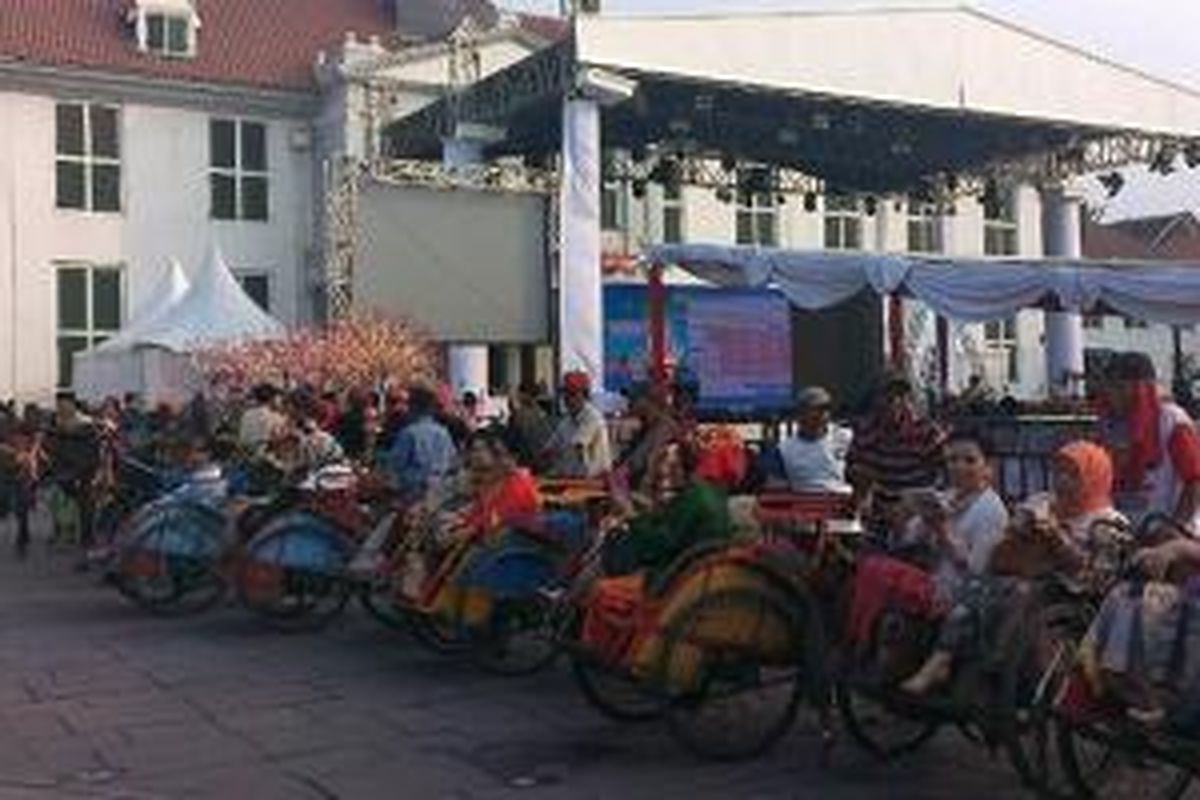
{"x":98,"y":700}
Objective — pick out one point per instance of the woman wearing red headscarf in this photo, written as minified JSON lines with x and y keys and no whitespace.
{"x":1068,"y":533}
{"x":1154,"y":443}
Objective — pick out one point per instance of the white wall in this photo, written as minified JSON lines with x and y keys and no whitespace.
{"x":165,"y":213}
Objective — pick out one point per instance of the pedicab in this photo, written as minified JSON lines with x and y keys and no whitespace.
{"x":286,"y":555}
{"x":725,"y":643}
{"x":1002,"y":700}
{"x":1106,"y":752}
{"x":497,"y":595}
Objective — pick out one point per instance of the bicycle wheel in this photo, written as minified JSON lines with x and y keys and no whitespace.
{"x":1099,"y":765}
{"x":169,"y":563}
{"x":1031,"y":681}
{"x":618,"y":696}
{"x":879,"y":728}
{"x":380,"y":606}
{"x":733,"y":664}
{"x":292,"y":574}
{"x":521,"y":639}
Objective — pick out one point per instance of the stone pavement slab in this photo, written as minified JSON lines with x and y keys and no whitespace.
{"x":100,"y":700}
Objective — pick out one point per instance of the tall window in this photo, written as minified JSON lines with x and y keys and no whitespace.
{"x":924,"y":228}
{"x":257,"y":285}
{"x":238,"y":174}
{"x":612,"y":206}
{"x":87,"y":157}
{"x":90,"y":309}
{"x":1000,"y":233}
{"x":1001,"y":340}
{"x":757,"y":218}
{"x":672,"y":214}
{"x":843,"y":223}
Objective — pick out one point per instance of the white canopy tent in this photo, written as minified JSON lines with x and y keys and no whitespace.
{"x":152,"y":356}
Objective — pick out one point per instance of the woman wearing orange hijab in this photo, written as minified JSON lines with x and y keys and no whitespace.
{"x":1068,"y":533}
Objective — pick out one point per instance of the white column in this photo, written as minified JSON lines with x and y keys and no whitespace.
{"x":467,"y":364}
{"x":1062,"y":229}
{"x":580,"y":323}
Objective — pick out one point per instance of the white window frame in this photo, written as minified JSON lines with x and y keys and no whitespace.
{"x":924,"y":229}
{"x":673,"y":205}
{"x":756,"y":206}
{"x":242,"y":274}
{"x":1002,"y":227}
{"x":616,"y":190}
{"x":845,"y":213}
{"x":90,"y":332}
{"x":1000,"y":336}
{"x":89,"y":160}
{"x":237,"y":172}
{"x":166,"y":51}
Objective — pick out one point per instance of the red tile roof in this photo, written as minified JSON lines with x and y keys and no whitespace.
{"x":263,"y":43}
{"x":1175,"y":237}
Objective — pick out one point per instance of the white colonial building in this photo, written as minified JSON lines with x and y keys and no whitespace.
{"x":136,"y":131}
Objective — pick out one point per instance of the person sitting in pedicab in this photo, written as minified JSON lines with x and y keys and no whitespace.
{"x":1142,"y":652}
{"x":814,"y":459}
{"x":1070,"y":535}
{"x":949,"y":537}
{"x":686,"y":506}
{"x":501,"y":493}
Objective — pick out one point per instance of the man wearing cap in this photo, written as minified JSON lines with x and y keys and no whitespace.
{"x":579,"y":447}
{"x":815,"y":458}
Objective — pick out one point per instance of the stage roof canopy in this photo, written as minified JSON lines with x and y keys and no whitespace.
{"x":869,"y":100}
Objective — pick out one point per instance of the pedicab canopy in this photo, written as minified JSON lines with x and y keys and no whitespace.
{"x":967,"y":289}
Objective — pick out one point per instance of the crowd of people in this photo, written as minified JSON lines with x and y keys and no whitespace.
{"x":928,"y":488}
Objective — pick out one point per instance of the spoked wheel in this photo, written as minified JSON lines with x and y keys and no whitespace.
{"x":169,"y":565}
{"x":436,"y":634}
{"x":1029,"y":686}
{"x":880,"y":728}
{"x":616,"y":695}
{"x":521,"y":639}
{"x":732,"y":664}
{"x":292,"y":575}
{"x":1098,"y":768}
{"x":379,"y":602}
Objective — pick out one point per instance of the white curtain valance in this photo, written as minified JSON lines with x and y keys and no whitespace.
{"x":967,"y":289}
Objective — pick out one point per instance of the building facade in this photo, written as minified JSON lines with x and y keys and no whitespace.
{"x":137,"y":131}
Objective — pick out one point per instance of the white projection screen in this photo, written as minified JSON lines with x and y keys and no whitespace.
{"x":467,"y":266}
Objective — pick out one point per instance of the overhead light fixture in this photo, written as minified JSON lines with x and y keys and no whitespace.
{"x":810,"y":201}
{"x":871,"y":205}
{"x":821,"y":121}
{"x":1164,"y":160}
{"x":724,"y":194}
{"x":1191,"y":155}
{"x":1113,"y":183}
{"x":638,"y":188}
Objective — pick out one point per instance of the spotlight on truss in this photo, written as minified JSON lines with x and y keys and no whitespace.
{"x":1113,"y":183}
{"x":1164,"y":160}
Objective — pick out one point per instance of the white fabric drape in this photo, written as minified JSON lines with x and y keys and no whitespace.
{"x":581,"y":337}
{"x":966,"y":289}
